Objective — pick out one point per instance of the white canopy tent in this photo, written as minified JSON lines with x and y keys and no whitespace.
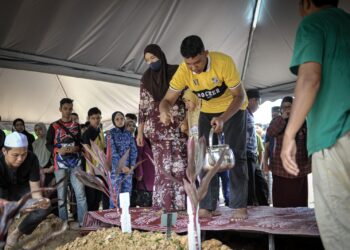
{"x":92,"y":51}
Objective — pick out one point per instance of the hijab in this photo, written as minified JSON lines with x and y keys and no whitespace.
{"x":39,"y":147}
{"x":157,"y":82}
{"x":113,"y":117}
{"x":24,"y":126}
{"x":30,"y":137}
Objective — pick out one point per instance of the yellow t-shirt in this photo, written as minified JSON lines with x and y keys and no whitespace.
{"x":100,"y":142}
{"x":212,"y":86}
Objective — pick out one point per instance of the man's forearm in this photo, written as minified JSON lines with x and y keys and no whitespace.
{"x":305,"y":93}
{"x":235,"y":105}
{"x":34,"y":187}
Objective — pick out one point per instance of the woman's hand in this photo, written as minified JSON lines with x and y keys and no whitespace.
{"x":139,"y":139}
{"x":166,"y":118}
{"x":184,"y":127}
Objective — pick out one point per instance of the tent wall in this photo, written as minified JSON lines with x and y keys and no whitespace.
{"x":39,"y":99}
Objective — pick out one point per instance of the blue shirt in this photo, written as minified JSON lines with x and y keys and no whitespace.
{"x":121,"y":141}
{"x":252,"y":146}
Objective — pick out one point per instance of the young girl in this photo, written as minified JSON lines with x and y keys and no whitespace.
{"x":121,"y":140}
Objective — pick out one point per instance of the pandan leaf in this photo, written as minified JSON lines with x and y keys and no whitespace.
{"x":203,"y":188}
{"x":91,"y":152}
{"x":191,"y":164}
{"x":122,"y":161}
{"x":200,"y":154}
{"x":191,"y":191}
{"x":91,"y":181}
{"x":105,"y":164}
{"x":98,"y":152}
{"x":9,"y":209}
{"x":98,"y":169}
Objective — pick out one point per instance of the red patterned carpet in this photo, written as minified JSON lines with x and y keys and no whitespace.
{"x":283,"y":221}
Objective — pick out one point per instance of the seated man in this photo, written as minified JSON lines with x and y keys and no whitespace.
{"x":19,"y":174}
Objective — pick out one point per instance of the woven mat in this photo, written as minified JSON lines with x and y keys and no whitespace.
{"x":284,"y":221}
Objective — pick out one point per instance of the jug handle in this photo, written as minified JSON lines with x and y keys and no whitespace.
{"x":221,"y":138}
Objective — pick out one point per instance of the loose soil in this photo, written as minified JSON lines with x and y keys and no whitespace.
{"x":113,"y":238}
{"x":106,"y":239}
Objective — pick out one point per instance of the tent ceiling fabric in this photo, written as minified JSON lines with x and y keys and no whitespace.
{"x":273,"y":45}
{"x":104,"y":41}
{"x":112,"y":34}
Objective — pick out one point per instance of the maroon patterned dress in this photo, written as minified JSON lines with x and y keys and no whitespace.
{"x":169,"y":152}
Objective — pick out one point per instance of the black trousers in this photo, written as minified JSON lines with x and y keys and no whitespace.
{"x":235,"y":136}
{"x":33,"y":219}
{"x":94,"y":197}
{"x":258,"y":190}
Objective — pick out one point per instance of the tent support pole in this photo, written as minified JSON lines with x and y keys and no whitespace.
{"x":250,"y":38}
{"x":17,"y":60}
{"x":63,"y":89}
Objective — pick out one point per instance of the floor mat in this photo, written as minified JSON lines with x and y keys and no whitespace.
{"x":284,"y":221}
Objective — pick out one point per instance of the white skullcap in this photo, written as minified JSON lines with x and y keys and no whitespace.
{"x":16,"y":140}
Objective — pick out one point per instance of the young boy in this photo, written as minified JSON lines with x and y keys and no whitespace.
{"x":94,"y":133}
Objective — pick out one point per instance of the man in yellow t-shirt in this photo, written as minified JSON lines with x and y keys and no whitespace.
{"x":213,"y":77}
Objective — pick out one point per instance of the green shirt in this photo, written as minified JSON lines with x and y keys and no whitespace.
{"x":324,"y":37}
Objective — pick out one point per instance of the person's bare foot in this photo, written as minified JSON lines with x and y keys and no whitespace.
{"x":239,"y":214}
{"x":182,"y":213}
{"x":215,"y":213}
{"x":204,"y":213}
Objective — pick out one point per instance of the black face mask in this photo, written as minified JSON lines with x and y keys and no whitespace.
{"x":155,"y":66}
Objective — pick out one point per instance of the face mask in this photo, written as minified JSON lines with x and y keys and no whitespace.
{"x":155,"y":66}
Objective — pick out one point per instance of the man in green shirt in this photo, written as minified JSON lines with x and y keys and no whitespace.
{"x":321,"y":60}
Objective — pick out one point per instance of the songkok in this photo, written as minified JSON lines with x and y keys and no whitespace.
{"x":16,"y":140}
